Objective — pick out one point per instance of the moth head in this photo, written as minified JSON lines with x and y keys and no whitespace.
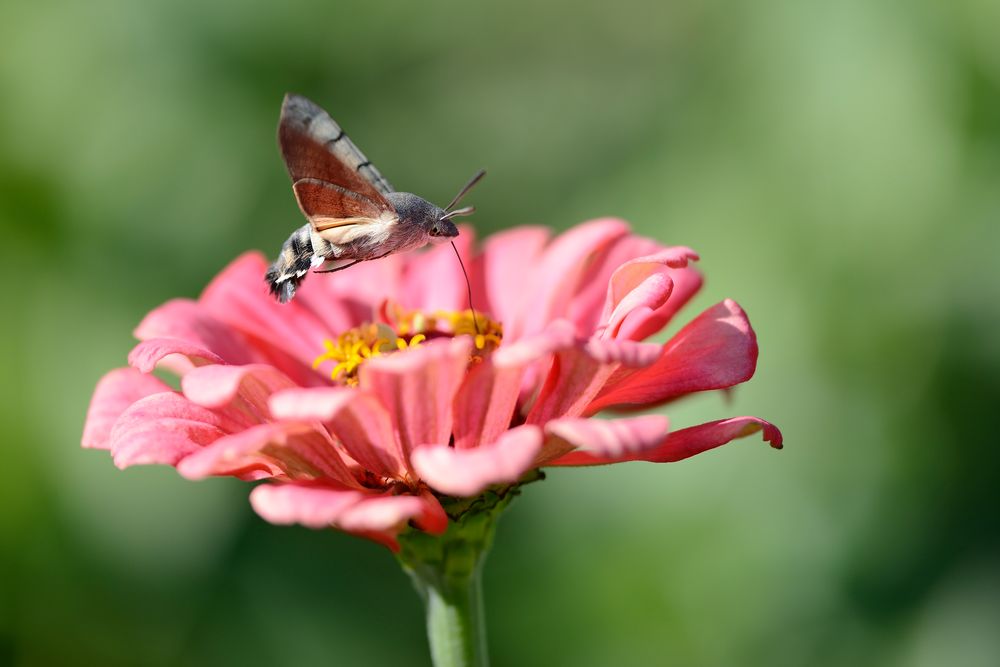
{"x":443,"y":229}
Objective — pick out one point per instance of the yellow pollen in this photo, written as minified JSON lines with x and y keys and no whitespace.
{"x":404,"y":330}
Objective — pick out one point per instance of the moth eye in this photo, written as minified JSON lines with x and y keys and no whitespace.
{"x":443,"y":228}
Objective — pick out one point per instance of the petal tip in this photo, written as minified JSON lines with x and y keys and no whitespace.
{"x":466,"y":472}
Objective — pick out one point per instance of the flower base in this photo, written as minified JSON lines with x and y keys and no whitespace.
{"x":447,"y":573}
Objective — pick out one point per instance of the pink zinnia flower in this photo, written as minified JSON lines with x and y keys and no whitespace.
{"x":375,"y":393}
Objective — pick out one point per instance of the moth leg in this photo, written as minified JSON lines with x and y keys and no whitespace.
{"x":357,"y":261}
{"x":340,"y":268}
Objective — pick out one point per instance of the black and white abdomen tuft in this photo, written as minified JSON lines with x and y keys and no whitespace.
{"x":296,"y":258}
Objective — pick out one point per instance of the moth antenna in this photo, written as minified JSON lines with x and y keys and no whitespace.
{"x":468,"y":286}
{"x":459,"y":212}
{"x":468,"y":186}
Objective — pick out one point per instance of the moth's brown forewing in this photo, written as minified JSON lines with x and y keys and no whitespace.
{"x":314,"y":146}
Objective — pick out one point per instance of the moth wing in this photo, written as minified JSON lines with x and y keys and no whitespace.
{"x":337,"y":214}
{"x":321,"y":199}
{"x":314,"y":146}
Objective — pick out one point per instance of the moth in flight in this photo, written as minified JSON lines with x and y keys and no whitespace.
{"x":354,"y":214}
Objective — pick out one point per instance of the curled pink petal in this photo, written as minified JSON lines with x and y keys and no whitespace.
{"x":639,"y":325}
{"x":639,"y":290}
{"x":466,"y":472}
{"x":417,"y":387}
{"x":172,"y":353}
{"x":355,"y":418}
{"x":185,"y":320}
{"x":164,"y":428}
{"x":644,"y":298}
{"x":297,"y":450}
{"x":634,"y":272}
{"x":608,"y":438}
{"x":683,"y":444}
{"x":216,"y":386}
{"x":588,"y":304}
{"x":716,"y":350}
{"x":114,"y":393}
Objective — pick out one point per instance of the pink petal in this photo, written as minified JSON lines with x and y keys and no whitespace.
{"x":639,"y":325}
{"x":186,"y":321}
{"x":312,"y":505}
{"x":640,"y":287}
{"x":683,"y":444}
{"x":717,"y":349}
{"x":634,"y":272}
{"x":557,"y":274}
{"x":115,"y":392}
{"x":239,"y":297}
{"x":608,"y":438}
{"x":637,"y":306}
{"x":487,"y":399}
{"x":417,"y":388}
{"x":433,"y":279}
{"x":507,"y":261}
{"x":466,"y":472}
{"x":354,"y":417}
{"x":579,"y":373}
{"x":381,"y":513}
{"x":173,"y":354}
{"x":166,"y":427}
{"x":589,"y":301}
{"x":293,"y":449}
{"x":322,"y":506}
{"x":360,"y":289}
{"x":216,"y":386}
{"x":432,"y":519}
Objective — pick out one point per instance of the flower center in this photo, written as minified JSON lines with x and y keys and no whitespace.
{"x":402,"y":329}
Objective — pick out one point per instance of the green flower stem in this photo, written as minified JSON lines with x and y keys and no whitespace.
{"x":456,"y":625}
{"x":447,"y":573}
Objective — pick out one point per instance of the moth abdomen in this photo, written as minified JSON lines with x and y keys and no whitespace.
{"x":297,"y":256}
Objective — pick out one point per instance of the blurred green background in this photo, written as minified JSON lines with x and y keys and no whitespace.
{"x":835,"y":163}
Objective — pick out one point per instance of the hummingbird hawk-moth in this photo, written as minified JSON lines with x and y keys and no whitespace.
{"x":354,"y":214}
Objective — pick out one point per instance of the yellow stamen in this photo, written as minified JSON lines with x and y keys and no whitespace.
{"x":405,"y":330}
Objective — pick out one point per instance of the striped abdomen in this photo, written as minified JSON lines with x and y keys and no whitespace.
{"x":298,"y":254}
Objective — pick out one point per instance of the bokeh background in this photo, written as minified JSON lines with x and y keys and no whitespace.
{"x":837,"y":164}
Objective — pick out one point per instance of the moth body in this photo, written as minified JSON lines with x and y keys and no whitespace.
{"x":353,"y":212}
